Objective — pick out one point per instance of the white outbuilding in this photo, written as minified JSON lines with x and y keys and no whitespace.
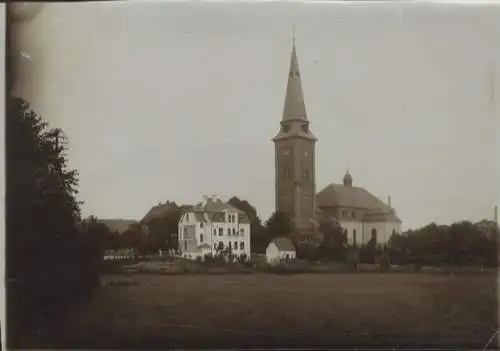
{"x":280,"y":249}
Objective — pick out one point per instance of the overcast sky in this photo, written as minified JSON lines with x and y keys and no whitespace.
{"x":175,"y":100}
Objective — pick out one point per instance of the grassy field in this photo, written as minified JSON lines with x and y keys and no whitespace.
{"x":163,"y":311}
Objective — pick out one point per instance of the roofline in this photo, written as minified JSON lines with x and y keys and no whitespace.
{"x":276,"y":138}
{"x":295,"y":119}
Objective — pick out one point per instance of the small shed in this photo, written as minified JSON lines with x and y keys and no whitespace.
{"x":280,"y":249}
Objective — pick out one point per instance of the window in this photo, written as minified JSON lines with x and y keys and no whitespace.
{"x":228,"y":231}
{"x":201,"y":224}
{"x":187,"y":217}
{"x":305,"y":128}
{"x":394,"y":232}
{"x":354,"y":239}
{"x":374,"y":234}
{"x":285,"y":128}
{"x":353,"y":215}
{"x":215,"y":246}
{"x":242,"y":245}
{"x":220,"y":232}
{"x":235,"y":245}
{"x":185,"y":245}
{"x":344,"y":213}
{"x":242,"y":232}
{"x":201,"y":238}
{"x":234,"y":231}
{"x":307,"y":174}
{"x":215,"y":231}
{"x":346,"y":233}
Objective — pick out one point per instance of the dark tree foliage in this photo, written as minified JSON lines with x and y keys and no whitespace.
{"x":279,"y":224}
{"x":161,"y":233}
{"x":333,"y":245}
{"x":51,"y":256}
{"x":259,"y":234}
{"x":461,"y":244}
{"x":162,"y":230}
{"x":369,"y":252}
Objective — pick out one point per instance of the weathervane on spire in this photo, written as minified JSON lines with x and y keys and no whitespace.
{"x":347,"y":166}
{"x":293,"y":33}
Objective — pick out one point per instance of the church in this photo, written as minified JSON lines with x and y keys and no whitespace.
{"x":361,"y":214}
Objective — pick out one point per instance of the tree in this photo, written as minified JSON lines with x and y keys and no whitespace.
{"x":162,"y":230}
{"x":246,"y":207}
{"x":279,"y":224}
{"x":50,"y":256}
{"x":462,"y":243}
{"x":334,"y":240}
{"x":259,"y":235}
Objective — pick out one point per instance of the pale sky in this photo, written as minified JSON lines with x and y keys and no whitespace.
{"x":169,"y":101}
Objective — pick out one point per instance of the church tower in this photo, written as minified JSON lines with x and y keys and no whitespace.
{"x":295,"y":173}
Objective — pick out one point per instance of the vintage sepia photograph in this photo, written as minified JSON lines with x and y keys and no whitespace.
{"x":232,"y":175}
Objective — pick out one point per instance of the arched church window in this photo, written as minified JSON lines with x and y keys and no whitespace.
{"x":305,"y":128}
{"x":285,"y":128}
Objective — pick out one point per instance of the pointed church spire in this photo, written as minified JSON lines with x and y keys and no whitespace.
{"x":294,"y":108}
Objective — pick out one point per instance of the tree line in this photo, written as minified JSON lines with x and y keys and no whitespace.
{"x":462,"y":243}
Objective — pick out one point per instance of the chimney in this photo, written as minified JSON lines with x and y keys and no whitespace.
{"x":389,"y":201}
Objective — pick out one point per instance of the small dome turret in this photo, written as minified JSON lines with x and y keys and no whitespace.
{"x":347,"y":179}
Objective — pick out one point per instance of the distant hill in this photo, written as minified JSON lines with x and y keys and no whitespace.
{"x":117,"y":225}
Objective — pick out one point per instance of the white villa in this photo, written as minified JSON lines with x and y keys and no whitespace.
{"x":212,"y":226}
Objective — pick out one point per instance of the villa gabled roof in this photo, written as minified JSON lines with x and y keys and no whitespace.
{"x":213,"y":210}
